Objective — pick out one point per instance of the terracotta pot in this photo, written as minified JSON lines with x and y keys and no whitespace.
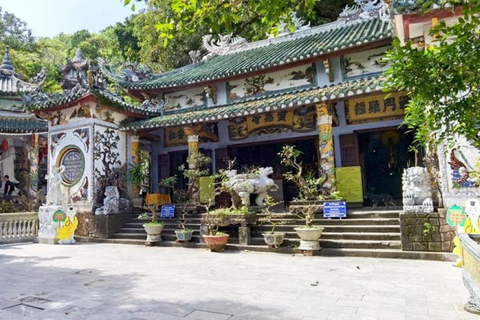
{"x":216,"y":243}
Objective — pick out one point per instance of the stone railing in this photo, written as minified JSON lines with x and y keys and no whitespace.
{"x":18,"y":227}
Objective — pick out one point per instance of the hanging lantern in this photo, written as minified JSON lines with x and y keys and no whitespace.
{"x":4,"y":145}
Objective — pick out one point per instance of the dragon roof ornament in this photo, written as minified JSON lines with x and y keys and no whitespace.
{"x":284,"y":27}
{"x":365,"y":10}
{"x":224,"y":44}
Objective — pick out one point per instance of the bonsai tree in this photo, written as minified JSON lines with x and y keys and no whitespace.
{"x":184,"y":234}
{"x":196,"y":168}
{"x":309,"y":186}
{"x":169,"y":183}
{"x":153,"y":228}
{"x":272,"y":239}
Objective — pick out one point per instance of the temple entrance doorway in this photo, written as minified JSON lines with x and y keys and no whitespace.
{"x":383,"y":156}
{"x":266,"y":155}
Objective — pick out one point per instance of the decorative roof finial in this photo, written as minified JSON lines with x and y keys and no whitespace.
{"x":7,"y":68}
{"x":78,"y":56}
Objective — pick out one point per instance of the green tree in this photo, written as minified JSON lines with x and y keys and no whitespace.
{"x":442,"y":80}
{"x":14,"y":32}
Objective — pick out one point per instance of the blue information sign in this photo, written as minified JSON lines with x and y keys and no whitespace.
{"x":336,"y":209}
{"x":168,"y":211}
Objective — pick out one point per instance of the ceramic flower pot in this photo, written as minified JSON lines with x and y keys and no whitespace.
{"x":153,"y":233}
{"x":273,"y":240}
{"x":216,"y":243}
{"x":309,"y":239}
{"x":183,"y":235}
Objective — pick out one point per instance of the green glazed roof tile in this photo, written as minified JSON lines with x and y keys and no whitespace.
{"x":106,"y":97}
{"x":22,"y":125}
{"x":260,"y":104}
{"x":270,"y":54}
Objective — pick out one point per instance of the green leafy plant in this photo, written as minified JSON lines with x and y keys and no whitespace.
{"x":153,"y":208}
{"x":271,"y":217}
{"x":138,"y":172}
{"x":169,"y":183}
{"x":195,"y":168}
{"x":309,"y":186}
{"x":441,"y":79}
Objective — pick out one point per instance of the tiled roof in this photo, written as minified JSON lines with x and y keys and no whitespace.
{"x":261,"y":104}
{"x":108,"y":98}
{"x":22,"y":124}
{"x":276,"y":52}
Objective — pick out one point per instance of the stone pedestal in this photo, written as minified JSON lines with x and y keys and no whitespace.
{"x":47,"y":231}
{"x":244,"y":236}
{"x":426,"y":232}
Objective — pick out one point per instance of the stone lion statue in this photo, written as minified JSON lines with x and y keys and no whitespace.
{"x":112,"y":203}
{"x":417,"y":191}
{"x":246,"y":184}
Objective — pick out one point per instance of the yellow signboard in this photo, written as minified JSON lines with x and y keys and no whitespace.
{"x":176,"y":136}
{"x":349,"y":183}
{"x":376,"y":108}
{"x":299,"y":120}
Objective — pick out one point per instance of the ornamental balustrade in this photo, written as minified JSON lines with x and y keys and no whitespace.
{"x":18,"y":227}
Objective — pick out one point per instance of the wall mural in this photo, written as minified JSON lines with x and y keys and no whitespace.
{"x":376,"y":108}
{"x":285,"y":79}
{"x":365,"y":62}
{"x":109,"y":156}
{"x":87,"y":110}
{"x":458,"y":164}
{"x":185,"y":99}
{"x":176,"y":136}
{"x":299,"y":120}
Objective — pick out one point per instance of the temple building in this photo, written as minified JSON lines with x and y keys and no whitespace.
{"x":319,"y":88}
{"x":20,"y":131}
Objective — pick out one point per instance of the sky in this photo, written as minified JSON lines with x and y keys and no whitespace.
{"x":48,"y":18}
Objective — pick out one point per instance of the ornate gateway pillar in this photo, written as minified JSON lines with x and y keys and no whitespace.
{"x":33,"y":153}
{"x":325,"y":144}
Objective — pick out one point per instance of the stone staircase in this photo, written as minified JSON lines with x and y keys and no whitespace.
{"x":364,"y":233}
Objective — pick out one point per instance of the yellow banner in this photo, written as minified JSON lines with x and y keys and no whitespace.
{"x":376,"y":108}
{"x":176,"y":136}
{"x":349,"y":183}
{"x":299,"y":120}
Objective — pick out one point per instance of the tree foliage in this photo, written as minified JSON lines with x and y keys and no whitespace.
{"x":442,"y":80}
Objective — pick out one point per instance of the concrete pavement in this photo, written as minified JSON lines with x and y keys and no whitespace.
{"x":109,"y":281}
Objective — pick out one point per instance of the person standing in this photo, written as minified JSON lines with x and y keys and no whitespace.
{"x":9,"y":187}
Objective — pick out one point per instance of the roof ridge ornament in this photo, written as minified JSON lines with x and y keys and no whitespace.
{"x":365,"y":10}
{"x":284,"y":28}
{"x":7,"y":68}
{"x":224,"y":44}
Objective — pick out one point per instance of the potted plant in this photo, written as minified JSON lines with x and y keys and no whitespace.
{"x":272,"y":238}
{"x":196,"y":168}
{"x":184,"y":234}
{"x":214,"y":239}
{"x":153,"y":228}
{"x":310,"y":233}
{"x":311,"y":190}
{"x":138,"y":174}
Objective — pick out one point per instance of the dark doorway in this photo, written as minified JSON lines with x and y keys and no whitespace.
{"x":383,"y":157}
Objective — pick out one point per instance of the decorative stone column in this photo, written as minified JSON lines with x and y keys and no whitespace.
{"x":135,"y":148}
{"x":193,"y":149}
{"x":192,"y":144}
{"x":325,"y":144}
{"x":33,"y":153}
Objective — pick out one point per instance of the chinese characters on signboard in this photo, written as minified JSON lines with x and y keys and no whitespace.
{"x":299,"y":120}
{"x":376,"y":108}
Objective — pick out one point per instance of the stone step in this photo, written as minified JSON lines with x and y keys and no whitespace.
{"x":362,"y":235}
{"x":362,"y":228}
{"x":352,"y":214}
{"x":361,"y":244}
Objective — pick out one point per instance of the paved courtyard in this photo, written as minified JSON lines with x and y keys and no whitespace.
{"x":107,"y":281}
